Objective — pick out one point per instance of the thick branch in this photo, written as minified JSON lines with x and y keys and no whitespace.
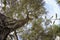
{"x":8,"y":25}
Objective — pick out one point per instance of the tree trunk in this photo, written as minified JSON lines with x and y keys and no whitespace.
{"x":15,"y":34}
{"x":8,"y":25}
{"x":3,"y":33}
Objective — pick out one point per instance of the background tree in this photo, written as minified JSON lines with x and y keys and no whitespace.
{"x":18,"y":9}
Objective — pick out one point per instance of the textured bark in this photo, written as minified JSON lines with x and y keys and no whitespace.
{"x":16,"y":37}
{"x":8,"y":25}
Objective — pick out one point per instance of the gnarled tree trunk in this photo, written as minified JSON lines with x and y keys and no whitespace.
{"x":7,"y":25}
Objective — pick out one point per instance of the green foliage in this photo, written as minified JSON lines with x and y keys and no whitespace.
{"x":35,"y":7}
{"x":58,"y":1}
{"x":4,"y":8}
{"x":56,"y":29}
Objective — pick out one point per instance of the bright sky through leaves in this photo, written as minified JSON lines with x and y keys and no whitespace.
{"x":52,"y":8}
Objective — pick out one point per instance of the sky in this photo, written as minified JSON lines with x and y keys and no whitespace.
{"x":53,"y":8}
